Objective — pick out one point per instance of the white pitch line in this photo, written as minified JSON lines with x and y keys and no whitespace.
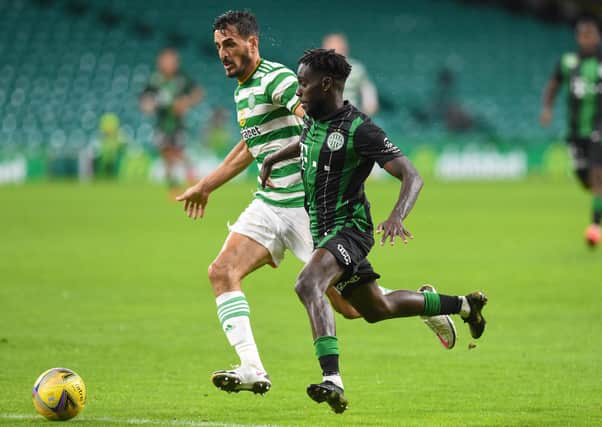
{"x":143,"y":421}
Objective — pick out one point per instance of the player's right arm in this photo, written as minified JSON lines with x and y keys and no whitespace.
{"x":147,"y":99}
{"x":195,"y":198}
{"x":549,"y":95}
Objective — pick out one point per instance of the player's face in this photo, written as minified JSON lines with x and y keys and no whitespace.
{"x":168,"y":63}
{"x":588,"y":37}
{"x":336,"y":42}
{"x":312,"y":90}
{"x":235,"y":51}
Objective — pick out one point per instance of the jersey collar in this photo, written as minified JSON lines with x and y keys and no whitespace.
{"x":344,"y":109}
{"x":248,"y":76}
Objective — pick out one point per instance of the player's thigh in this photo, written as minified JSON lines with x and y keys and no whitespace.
{"x":341,"y":305}
{"x":297,"y":235}
{"x":595,"y":178}
{"x":239,"y":256}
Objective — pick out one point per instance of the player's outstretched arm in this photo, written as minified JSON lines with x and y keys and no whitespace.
{"x":289,"y":152}
{"x":185,"y":102}
{"x":404,"y":170}
{"x":549,"y":96}
{"x":195,"y":198}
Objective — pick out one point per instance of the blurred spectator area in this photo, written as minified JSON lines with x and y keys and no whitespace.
{"x":63,"y":63}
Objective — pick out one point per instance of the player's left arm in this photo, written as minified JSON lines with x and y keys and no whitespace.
{"x":549,"y":95}
{"x":193,"y":94}
{"x":402,"y":169}
{"x":372,"y":143}
{"x":282,"y":91}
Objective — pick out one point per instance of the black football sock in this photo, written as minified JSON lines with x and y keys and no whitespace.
{"x":329,"y":364}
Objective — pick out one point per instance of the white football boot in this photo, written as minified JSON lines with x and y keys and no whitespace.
{"x":242,"y":378}
{"x":442,"y":325}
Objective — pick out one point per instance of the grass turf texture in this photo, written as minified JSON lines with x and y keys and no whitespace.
{"x":111,"y":281}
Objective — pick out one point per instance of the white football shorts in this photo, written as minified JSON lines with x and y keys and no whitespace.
{"x":277,"y":229}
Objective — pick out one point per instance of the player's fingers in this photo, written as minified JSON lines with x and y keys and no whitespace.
{"x":403,"y":236}
{"x":383,"y":239}
{"x":270,"y":183}
{"x":392,"y":239}
{"x":201,"y":211}
{"x":190,"y":210}
{"x":193,"y":209}
{"x":379,"y":229}
{"x":407,"y":233}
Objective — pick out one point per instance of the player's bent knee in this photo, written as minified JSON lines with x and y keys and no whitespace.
{"x":377,"y":313}
{"x":373,"y":317}
{"x":220,"y":274}
{"x":307,"y":289}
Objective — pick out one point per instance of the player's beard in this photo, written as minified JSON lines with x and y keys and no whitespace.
{"x":243,"y":68}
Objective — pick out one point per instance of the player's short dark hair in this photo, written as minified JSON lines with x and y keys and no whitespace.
{"x":327,"y":61}
{"x":587,"y":20}
{"x":243,"y":20}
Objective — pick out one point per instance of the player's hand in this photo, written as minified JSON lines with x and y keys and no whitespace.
{"x":148,"y":104}
{"x":195,"y":199}
{"x":391,"y":228}
{"x":266,"y":171}
{"x":546,"y":117}
{"x":181,"y":105}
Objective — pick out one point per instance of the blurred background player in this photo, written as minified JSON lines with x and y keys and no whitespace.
{"x":112,"y":146}
{"x":359,"y":90}
{"x":169,"y":94}
{"x":582,"y":72}
{"x":103,"y":156}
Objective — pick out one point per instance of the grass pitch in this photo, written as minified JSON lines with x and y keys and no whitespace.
{"x":110,"y":280}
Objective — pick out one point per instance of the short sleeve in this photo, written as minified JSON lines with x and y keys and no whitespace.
{"x":283,"y":90}
{"x":371,"y":142}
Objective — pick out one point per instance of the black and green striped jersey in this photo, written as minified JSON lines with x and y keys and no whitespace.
{"x":166,"y":91}
{"x":584,"y":77}
{"x":337,"y":155}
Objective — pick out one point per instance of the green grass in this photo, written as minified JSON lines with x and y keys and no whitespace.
{"x":111,"y":281}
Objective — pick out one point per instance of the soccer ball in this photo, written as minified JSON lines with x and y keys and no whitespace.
{"x":59,"y":394}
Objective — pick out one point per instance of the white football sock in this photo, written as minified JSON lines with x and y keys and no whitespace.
{"x":233,"y":313}
{"x":465,"y":308}
{"x":336,"y":379}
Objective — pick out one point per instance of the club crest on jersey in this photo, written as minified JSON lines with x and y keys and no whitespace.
{"x":335,"y":141}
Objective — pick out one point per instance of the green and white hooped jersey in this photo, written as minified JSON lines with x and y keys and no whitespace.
{"x":265,"y":103}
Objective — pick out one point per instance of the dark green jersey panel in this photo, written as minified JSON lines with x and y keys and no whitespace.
{"x":583,"y":75}
{"x":166,"y":91}
{"x":337,"y":155}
